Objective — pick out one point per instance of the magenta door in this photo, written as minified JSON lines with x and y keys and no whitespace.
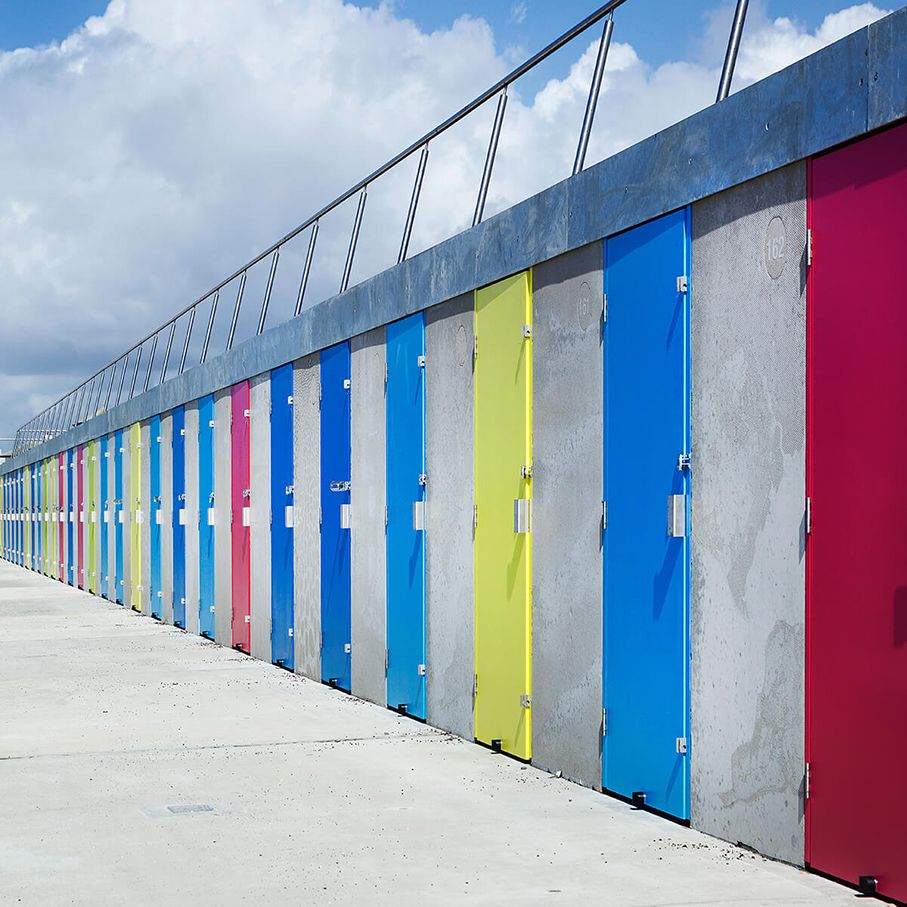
{"x":80,"y":507}
{"x":61,"y":516}
{"x":240,"y":514}
{"x":857,"y":490}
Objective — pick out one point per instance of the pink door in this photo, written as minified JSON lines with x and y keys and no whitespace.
{"x":240,"y":515}
{"x":61,"y":516}
{"x":80,"y":510}
{"x":857,"y":545}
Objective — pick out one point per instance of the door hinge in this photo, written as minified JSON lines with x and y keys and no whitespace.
{"x":386,"y":517}
{"x":684,"y":461}
{"x":526,"y":331}
{"x":475,"y":516}
{"x":809,"y":247}
{"x":604,"y":722}
{"x":475,"y":685}
{"x":604,"y":514}
{"x":385,"y":374}
{"x":420,"y":361}
{"x":420,"y":670}
{"x":680,"y":745}
{"x":604,"y":308}
{"x":475,"y":347}
{"x":809,"y":516}
{"x":387,"y":661}
{"x":682,"y":284}
{"x":806,"y":782}
{"x":525,"y":701}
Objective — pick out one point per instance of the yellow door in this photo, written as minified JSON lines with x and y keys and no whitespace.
{"x":503,"y":491}
{"x":137,"y":514}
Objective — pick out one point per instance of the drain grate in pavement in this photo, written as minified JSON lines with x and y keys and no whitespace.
{"x":185,"y":808}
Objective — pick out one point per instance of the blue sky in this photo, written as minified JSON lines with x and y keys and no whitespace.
{"x":524,"y":25}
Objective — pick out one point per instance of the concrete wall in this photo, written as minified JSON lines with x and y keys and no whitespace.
{"x":567,"y":414}
{"x":449,"y":389}
{"x":167,"y":510}
{"x":193,"y":512}
{"x":367,"y":499}
{"x":223,"y":558}
{"x":306,"y":519}
{"x":260,"y":530}
{"x":748,"y":582}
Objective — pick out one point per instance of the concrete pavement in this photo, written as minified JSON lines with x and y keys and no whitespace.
{"x":142,"y":765}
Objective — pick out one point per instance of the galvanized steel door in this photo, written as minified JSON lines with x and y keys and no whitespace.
{"x":240,"y":514}
{"x":857,"y":542}
{"x":646,"y":495}
{"x":155,"y":514}
{"x":206,"y":517}
{"x":503,"y":493}
{"x":282,"y":496}
{"x":178,"y":514}
{"x":336,"y":647}
{"x":405,"y":408}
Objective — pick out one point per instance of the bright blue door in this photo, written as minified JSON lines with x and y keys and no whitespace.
{"x":282,"y":516}
{"x":69,"y":517}
{"x":206,"y":516}
{"x":335,"y":504}
{"x":178,"y":515}
{"x":154,"y":468}
{"x":646,"y":553}
{"x":118,"y":515}
{"x":405,"y":515}
{"x":104,"y":498}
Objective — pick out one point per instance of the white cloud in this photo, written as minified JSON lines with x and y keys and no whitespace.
{"x":518,"y":13}
{"x":165,"y":142}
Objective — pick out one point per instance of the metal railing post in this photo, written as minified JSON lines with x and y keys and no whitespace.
{"x":489,"y":158}
{"x":185,"y":353}
{"x":167,"y":353}
{"x":113,"y":378}
{"x":123,"y":377}
{"x":354,"y":239}
{"x":304,"y":282}
{"x":236,"y":307}
{"x":265,"y":302}
{"x":733,"y":46}
{"x":594,"y":91}
{"x":413,"y":204}
{"x":150,"y":363}
{"x":135,"y":373}
{"x":210,"y":326}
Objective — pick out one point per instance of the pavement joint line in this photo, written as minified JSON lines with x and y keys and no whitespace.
{"x":429,"y":734}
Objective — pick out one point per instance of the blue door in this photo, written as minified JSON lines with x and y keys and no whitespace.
{"x":335,"y":515}
{"x":282,"y":516}
{"x":154,"y":482}
{"x":118,"y":516}
{"x":70,"y":517}
{"x":104,"y":498}
{"x":178,"y":516}
{"x":406,"y":515}
{"x":206,"y":516}
{"x":646,"y":494}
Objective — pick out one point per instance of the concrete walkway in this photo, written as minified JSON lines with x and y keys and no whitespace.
{"x":142,"y":765}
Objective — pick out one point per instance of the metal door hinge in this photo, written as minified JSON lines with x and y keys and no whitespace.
{"x":681,"y":745}
{"x":420,"y":670}
{"x":347,"y":383}
{"x":604,"y":722}
{"x":525,"y":472}
{"x":809,"y":516}
{"x":387,"y":661}
{"x":525,"y":701}
{"x":806,"y":782}
{"x":604,"y":514}
{"x":347,"y":648}
{"x":475,"y":516}
{"x":809,"y":247}
{"x":684,"y":461}
{"x":526,"y":330}
{"x":604,"y":308}
{"x":385,"y":374}
{"x":475,"y":685}
{"x":386,"y":517}
{"x":682,"y":284}
{"x":420,"y":361}
{"x":475,"y":348}
{"x":423,"y":479}
{"x":290,"y":400}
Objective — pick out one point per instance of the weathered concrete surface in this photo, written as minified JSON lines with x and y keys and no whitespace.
{"x":567,"y":414}
{"x":747,"y":542}
{"x":144,"y":765}
{"x":449,"y":458}
{"x":368,"y":557}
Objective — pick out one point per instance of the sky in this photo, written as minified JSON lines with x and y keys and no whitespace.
{"x":151,"y":147}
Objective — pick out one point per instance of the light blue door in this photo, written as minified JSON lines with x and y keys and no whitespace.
{"x":118,"y":517}
{"x":405,"y":515}
{"x":178,"y":515}
{"x":206,"y":516}
{"x":154,"y":463}
{"x":282,"y":516}
{"x":646,"y":494}
{"x":335,"y":502}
